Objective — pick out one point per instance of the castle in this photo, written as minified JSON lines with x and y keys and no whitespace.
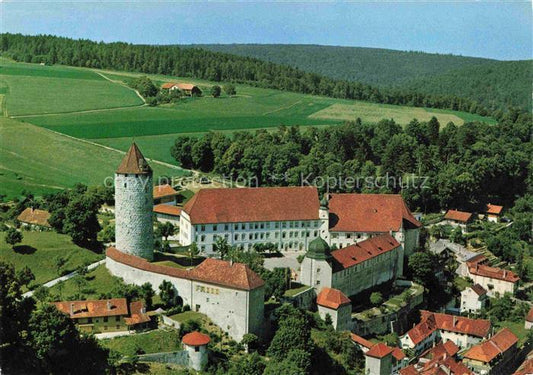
{"x":230,"y":294}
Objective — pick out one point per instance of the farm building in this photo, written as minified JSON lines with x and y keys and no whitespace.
{"x":458,"y":218}
{"x":493,"y":212}
{"x":187,"y":88}
{"x":34,"y":218}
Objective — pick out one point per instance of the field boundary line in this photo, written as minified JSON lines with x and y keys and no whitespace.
{"x":113,"y":149}
{"x":121,"y":84}
{"x":77,"y":112}
{"x":282,"y":108}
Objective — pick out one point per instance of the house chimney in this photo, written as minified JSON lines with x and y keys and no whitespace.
{"x":109,"y":305}
{"x":71,"y":309}
{"x":504,"y":274}
{"x":454,"y":320}
{"x":231,"y":262}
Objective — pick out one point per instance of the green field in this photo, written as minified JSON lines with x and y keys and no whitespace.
{"x":35,"y":89}
{"x":39,"y":250}
{"x":41,"y":161}
{"x":99,"y":281}
{"x":161,"y":340}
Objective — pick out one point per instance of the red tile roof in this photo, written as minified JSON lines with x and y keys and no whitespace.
{"x":431,"y":321}
{"x":332,"y":298}
{"x":211,"y":206}
{"x":166,"y":190}
{"x":490,"y":349}
{"x":362,"y":251}
{"x":210,"y":271}
{"x":186,"y":86}
{"x":379,"y":350}
{"x":529,"y":316}
{"x":398,"y":354}
{"x":370,"y":213}
{"x":493,"y":209}
{"x":460,"y":216}
{"x":167,"y":209}
{"x":478,"y":289}
{"x":460,"y":324}
{"x":526,"y":368}
{"x":409,"y":370}
{"x":168,"y":85}
{"x":35,"y":217}
{"x":477,"y":259}
{"x":134,"y":162}
{"x":137,"y":314}
{"x":93,"y":308}
{"x":493,"y":273}
{"x":361,"y":341}
{"x":195,"y":339}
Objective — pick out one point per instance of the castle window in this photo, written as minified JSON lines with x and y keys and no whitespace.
{"x":276,"y":225}
{"x":125,"y":185}
{"x":243,"y":226}
{"x":202,"y":228}
{"x":236,"y":227}
{"x":215,"y":228}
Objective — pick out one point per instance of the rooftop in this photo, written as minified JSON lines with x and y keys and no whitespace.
{"x":137,"y":314}
{"x":332,"y":298}
{"x":167,"y":209}
{"x":238,"y":205}
{"x":490,"y":349}
{"x":492,"y":209}
{"x":134,"y":162}
{"x":211,"y":271}
{"x":529,"y":316}
{"x":478,"y":289}
{"x":165,"y":190}
{"x":371,"y":213}
{"x":456,"y":215}
{"x":493,"y":273}
{"x":379,"y":350}
{"x":362,"y":251}
{"x":34,"y":216}
{"x":93,"y":308}
{"x":195,"y":339}
{"x":361,"y":341}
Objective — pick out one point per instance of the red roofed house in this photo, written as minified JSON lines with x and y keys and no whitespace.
{"x":458,"y":218}
{"x":165,"y":194}
{"x":381,"y":359}
{"x":195,"y":344}
{"x":187,"y":88}
{"x":526,"y":368}
{"x":441,"y":360}
{"x":356,"y":217}
{"x":166,"y":213}
{"x":34,"y":218}
{"x":493,"y":356}
{"x":285,"y":216}
{"x":363,"y":344}
{"x":473,"y":299}
{"x":494,"y":280}
{"x":100,"y":316}
{"x":355,"y":268}
{"x":529,"y":319}
{"x":493,"y":212}
{"x":338,"y":306}
{"x":462,"y":331}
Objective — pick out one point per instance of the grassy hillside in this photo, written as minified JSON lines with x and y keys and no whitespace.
{"x":39,"y":160}
{"x":492,"y":83}
{"x":36,"y":89}
{"x":156,"y":128}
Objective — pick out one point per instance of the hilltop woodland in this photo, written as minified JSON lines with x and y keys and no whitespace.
{"x":212,"y":66}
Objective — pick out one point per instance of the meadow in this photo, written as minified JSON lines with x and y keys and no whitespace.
{"x":35,"y":89}
{"x":39,"y":250}
{"x":41,"y":161}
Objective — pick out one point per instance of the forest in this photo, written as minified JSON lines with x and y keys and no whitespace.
{"x":493,"y":84}
{"x":434,"y":167}
{"x":203,"y":64}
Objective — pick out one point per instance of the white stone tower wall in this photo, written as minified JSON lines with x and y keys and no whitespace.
{"x":133,"y":214}
{"x":197,"y":359}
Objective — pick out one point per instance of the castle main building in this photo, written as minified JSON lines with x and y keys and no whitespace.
{"x":230,"y":294}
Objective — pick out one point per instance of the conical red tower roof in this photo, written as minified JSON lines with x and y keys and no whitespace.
{"x":134,"y":162}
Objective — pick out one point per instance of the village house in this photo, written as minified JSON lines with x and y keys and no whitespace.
{"x":361,"y":343}
{"x":354,"y":268}
{"x":186,"y":88}
{"x":462,"y":331}
{"x":357,"y":217}
{"x":473,"y":299}
{"x":457,"y":218}
{"x":334,"y":303}
{"x":529,"y":319}
{"x":493,"y":356}
{"x":493,"y":212}
{"x":35,"y":219}
{"x":496,"y":281}
{"x":381,"y":359}
{"x":111,"y":315}
{"x":165,"y":194}
{"x":440,"y":359}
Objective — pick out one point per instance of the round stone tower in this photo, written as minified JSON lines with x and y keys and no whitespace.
{"x":195,"y":343}
{"x":134,"y":205}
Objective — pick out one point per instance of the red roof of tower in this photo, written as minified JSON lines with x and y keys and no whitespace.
{"x":379,"y":350}
{"x":369,"y":213}
{"x":195,"y":339}
{"x":332,"y":298}
{"x":134,"y":162}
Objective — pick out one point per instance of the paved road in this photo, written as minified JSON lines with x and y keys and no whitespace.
{"x":66,"y":277}
{"x":287,"y":260}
